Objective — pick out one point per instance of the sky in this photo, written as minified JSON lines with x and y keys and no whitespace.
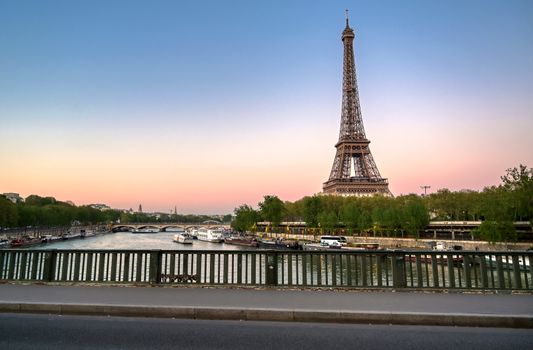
{"x":206,"y":105}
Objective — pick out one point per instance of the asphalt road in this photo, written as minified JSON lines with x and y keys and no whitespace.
{"x":28,"y":331}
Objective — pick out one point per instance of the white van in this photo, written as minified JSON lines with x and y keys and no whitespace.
{"x":333,"y":241}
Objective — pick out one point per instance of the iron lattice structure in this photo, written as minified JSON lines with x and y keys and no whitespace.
{"x":354,"y":171}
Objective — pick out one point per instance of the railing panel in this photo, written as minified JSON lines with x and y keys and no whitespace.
{"x":335,"y":268}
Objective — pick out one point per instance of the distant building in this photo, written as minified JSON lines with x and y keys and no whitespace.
{"x":101,"y":207}
{"x":14,"y":197}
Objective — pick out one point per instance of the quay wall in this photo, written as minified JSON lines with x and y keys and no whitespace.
{"x":410,"y":243}
{"x":36,"y":232}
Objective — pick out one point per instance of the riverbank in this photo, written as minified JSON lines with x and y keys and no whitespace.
{"x":410,"y":243}
{"x":163,"y":240}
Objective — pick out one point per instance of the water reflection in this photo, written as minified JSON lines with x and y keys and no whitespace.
{"x":131,"y":241}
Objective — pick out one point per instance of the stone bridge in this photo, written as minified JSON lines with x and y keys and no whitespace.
{"x":164,"y":226}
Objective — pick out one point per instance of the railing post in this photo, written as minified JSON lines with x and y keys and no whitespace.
{"x":50,"y":263}
{"x":468,"y":275}
{"x":398,"y":270}
{"x":155,"y":266}
{"x":516,"y":273}
{"x":483,"y":270}
{"x":272,"y":268}
{"x":239,"y":268}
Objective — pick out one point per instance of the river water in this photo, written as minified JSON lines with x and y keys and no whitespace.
{"x":135,"y":241}
{"x":293,"y":267}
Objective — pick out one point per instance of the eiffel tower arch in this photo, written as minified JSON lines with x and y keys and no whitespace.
{"x":354,"y":171}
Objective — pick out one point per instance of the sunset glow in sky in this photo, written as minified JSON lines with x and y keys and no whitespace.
{"x":206,"y":105}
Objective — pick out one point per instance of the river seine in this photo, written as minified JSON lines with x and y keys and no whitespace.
{"x":132,"y":241}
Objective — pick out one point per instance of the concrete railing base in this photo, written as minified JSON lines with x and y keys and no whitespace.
{"x":276,"y":315}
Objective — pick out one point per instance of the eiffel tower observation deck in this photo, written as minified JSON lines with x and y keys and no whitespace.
{"x":354,"y":172}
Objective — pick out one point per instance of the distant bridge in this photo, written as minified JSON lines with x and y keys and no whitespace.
{"x":165,"y":226}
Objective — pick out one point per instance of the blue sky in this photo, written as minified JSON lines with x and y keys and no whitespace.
{"x":248,"y":93}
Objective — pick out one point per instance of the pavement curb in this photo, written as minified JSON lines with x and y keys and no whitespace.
{"x":279,"y":315}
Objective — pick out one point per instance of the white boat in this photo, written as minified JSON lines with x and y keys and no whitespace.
{"x":193,"y":233}
{"x":145,"y":230}
{"x":70,"y":235}
{"x":210,"y":235}
{"x":183,"y":238}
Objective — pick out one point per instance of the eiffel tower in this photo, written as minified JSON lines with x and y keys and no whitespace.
{"x":354,"y":172}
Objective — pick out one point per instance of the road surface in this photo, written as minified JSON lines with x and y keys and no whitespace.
{"x":29,"y":331}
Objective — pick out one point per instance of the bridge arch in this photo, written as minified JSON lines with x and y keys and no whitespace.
{"x":165,"y":227}
{"x":117,"y":228}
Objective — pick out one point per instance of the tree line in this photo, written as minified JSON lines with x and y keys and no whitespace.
{"x":496,"y":206}
{"x":47,"y":211}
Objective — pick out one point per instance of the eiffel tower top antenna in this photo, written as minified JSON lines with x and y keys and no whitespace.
{"x":346,"y":13}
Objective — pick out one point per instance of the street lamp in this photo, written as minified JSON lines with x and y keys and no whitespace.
{"x":425,"y":187}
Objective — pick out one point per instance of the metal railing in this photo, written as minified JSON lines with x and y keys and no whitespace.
{"x":334,"y":268}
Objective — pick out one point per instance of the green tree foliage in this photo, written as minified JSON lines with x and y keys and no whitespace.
{"x":519,"y":182}
{"x":328,"y":220}
{"x":8,"y":213}
{"x":47,"y":211}
{"x":39,"y":201}
{"x":312,"y":207}
{"x":350,"y":216}
{"x":272,"y":209}
{"x":333,"y":204}
{"x":293,"y":211}
{"x":462,"y":205}
{"x":496,"y":231}
{"x":415,"y":215}
{"x":364,"y":224}
{"x":245,"y":218}
{"x":124,"y":218}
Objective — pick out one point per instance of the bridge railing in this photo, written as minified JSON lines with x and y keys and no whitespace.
{"x":465,"y":270}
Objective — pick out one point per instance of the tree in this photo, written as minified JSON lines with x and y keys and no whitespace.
{"x":519,"y":182}
{"x":124,"y":218}
{"x":8,"y":213}
{"x":245,"y":218}
{"x":312,"y":207}
{"x":365,"y":221}
{"x":392,"y":218}
{"x":350,"y":216}
{"x":293,"y":211}
{"x":39,"y":201}
{"x":377,"y":219}
{"x":272,"y":210}
{"x":415,"y":215}
{"x":328,"y":221}
{"x":29,"y":215}
{"x":494,"y":231}
{"x":333,"y":204}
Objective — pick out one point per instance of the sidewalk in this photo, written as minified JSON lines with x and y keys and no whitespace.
{"x":448,"y":309}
